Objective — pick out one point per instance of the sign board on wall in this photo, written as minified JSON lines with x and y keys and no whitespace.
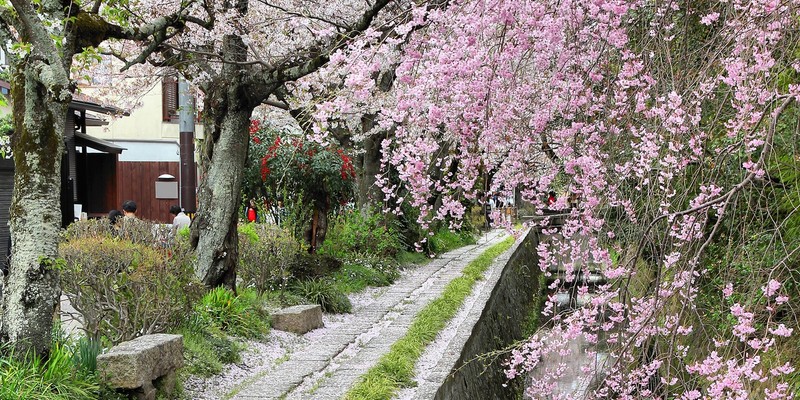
{"x":166,"y":190}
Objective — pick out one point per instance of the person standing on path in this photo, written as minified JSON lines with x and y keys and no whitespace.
{"x":181,"y":219}
{"x":251,"y":213}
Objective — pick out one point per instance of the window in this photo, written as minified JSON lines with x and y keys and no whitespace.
{"x":169,"y":98}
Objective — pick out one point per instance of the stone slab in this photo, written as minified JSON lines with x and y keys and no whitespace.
{"x":138,"y":362}
{"x":298,"y":319}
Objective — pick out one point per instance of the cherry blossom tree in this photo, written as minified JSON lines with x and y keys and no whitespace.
{"x":42,"y":40}
{"x":671,"y":128}
{"x":239,"y":56}
{"x":345,"y":97}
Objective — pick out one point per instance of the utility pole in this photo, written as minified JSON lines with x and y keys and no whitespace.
{"x":186,"y":112}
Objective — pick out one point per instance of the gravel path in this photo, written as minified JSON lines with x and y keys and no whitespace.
{"x":265,"y":356}
{"x":325,"y":363}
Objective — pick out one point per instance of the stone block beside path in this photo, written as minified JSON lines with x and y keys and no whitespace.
{"x":298,"y":319}
{"x":142,"y":364}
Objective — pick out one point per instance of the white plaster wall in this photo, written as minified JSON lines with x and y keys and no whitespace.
{"x":149,"y":151}
{"x":143,"y":123}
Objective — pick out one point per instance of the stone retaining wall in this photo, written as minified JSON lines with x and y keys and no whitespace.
{"x":501,"y":323}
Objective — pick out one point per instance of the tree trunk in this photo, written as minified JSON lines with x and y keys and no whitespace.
{"x":229,"y":103}
{"x":368,"y":191}
{"x":32,"y":287}
{"x":214,"y":232}
{"x":318,"y":229}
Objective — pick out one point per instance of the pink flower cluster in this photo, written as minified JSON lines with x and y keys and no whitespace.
{"x":583,"y":96}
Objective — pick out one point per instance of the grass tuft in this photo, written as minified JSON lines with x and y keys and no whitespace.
{"x":59,"y":377}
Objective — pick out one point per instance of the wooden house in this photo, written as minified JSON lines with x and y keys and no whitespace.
{"x":88,"y":170}
{"x":158,"y":157}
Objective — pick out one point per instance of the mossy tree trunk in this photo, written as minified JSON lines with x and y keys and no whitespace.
{"x":41,"y":97}
{"x":370,"y":162}
{"x":229,"y":103}
{"x":49,"y":34}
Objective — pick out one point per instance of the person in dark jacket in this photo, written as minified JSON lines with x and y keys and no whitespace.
{"x":114,"y":216}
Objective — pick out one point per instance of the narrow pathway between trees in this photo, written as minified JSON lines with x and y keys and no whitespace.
{"x":328,"y":367}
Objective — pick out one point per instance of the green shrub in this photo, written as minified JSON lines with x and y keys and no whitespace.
{"x":266,"y":254}
{"x":207,"y":346}
{"x":207,"y":350}
{"x":412,"y":257}
{"x":444,"y":240}
{"x":365,"y":270}
{"x":357,"y":232}
{"x":124,"y":288}
{"x":284,"y":298}
{"x":313,"y":266}
{"x":240,"y":315}
{"x":322,"y":292}
{"x":58,"y":378}
{"x":184,"y":233}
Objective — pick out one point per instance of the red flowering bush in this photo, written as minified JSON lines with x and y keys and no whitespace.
{"x":320,"y":175}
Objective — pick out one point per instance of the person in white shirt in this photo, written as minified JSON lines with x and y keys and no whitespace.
{"x":181,"y":219}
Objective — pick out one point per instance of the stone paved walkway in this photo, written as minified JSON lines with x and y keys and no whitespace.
{"x":327,"y":369}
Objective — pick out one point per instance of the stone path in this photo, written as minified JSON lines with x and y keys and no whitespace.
{"x":327,"y":369}
{"x":71,"y":322}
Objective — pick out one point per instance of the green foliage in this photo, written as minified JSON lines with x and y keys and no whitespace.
{"x":184,"y":233}
{"x":60,"y":377}
{"x":360,"y":271}
{"x":362,"y":231}
{"x":6,"y":127}
{"x":412,"y":257}
{"x":444,"y":240}
{"x":322,"y":292}
{"x":84,"y":60}
{"x":313,"y":179}
{"x":323,"y":173}
{"x":284,"y":298}
{"x":533,"y":320}
{"x":85,"y":354}
{"x":310,"y":266}
{"x":266,"y":254}
{"x":125,"y":288}
{"x":248,"y":231}
{"x":240,"y":315}
{"x":207,"y":346}
{"x":396,"y":368}
{"x":410,"y":230}
{"x":207,"y":349}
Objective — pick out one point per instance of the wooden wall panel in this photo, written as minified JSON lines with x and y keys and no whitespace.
{"x":136,"y":181}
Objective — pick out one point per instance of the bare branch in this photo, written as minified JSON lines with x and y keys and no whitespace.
{"x":296,"y":70}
